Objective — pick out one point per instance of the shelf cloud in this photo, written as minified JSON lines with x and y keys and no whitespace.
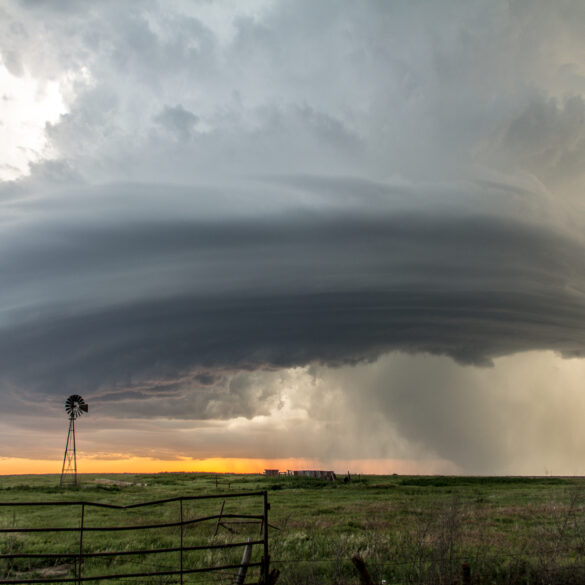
{"x":127,"y":292}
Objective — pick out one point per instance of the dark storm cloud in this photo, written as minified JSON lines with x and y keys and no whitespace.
{"x":93,"y":301}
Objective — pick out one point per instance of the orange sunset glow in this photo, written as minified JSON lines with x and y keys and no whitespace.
{"x":14,"y":466}
{"x":18,"y":466}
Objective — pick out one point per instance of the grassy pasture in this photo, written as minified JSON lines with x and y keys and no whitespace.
{"x":407,"y":529}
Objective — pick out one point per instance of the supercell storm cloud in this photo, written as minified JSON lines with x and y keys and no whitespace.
{"x":209,"y":212}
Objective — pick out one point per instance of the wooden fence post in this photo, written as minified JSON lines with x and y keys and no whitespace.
{"x":465,"y":574}
{"x":219,"y":519}
{"x":360,"y":565}
{"x":244,"y":566}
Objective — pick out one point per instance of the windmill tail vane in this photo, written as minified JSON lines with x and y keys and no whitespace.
{"x":75,"y":406}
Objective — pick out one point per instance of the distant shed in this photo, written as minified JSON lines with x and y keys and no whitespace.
{"x":271,"y":472}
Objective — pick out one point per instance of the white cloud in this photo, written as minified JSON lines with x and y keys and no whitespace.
{"x":27,"y":107}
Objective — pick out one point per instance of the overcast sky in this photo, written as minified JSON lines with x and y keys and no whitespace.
{"x":337,"y":233}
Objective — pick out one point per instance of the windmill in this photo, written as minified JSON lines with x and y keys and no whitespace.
{"x":75,"y":406}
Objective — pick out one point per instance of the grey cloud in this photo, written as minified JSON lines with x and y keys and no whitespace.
{"x":12,"y":63}
{"x":477,"y":420}
{"x":58,"y":173}
{"x":57,"y":5}
{"x":548,"y":138}
{"x":178,"y":120}
{"x":196,"y":396}
{"x":371,"y":89}
{"x":173,"y":46}
{"x":442,"y":408}
{"x":333,"y":99}
{"x":182,"y":146}
{"x":206,"y":378}
{"x":483,"y":420}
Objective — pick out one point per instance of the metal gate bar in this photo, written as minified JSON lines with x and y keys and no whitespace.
{"x":79,"y":555}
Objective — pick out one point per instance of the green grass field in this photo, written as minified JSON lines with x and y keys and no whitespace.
{"x":407,"y":529}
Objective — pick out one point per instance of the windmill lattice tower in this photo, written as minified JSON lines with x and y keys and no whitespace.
{"x":75,"y":406}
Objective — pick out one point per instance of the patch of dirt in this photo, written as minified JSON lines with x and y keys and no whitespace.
{"x":56,"y":571}
{"x":104,"y":481}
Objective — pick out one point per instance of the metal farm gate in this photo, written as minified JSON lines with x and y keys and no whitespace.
{"x":177,"y":540}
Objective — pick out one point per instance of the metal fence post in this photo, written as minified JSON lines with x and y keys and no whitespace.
{"x":182,"y":525}
{"x":80,"y":558}
{"x":266,"y":558}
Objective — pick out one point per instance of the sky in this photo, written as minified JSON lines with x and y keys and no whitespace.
{"x":293,"y":234}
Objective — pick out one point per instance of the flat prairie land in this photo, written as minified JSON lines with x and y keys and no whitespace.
{"x":407,"y":529}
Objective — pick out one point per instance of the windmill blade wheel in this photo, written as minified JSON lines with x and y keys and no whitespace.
{"x":75,"y":405}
